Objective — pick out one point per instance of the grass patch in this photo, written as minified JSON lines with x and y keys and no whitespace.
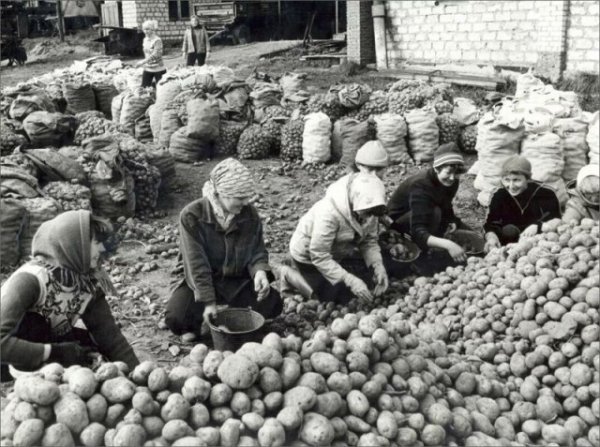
{"x":586,"y":85}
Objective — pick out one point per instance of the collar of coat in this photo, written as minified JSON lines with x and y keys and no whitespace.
{"x":207,"y":215}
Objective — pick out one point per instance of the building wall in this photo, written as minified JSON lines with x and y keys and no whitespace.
{"x":583,"y":46}
{"x":135,"y":12}
{"x":549,"y":35}
{"x":361,"y":40}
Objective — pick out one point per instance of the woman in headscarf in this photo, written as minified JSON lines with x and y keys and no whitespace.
{"x":154,"y":68}
{"x":584,"y":200}
{"x":196,"y":44}
{"x":344,"y":221}
{"x":222,"y":253}
{"x":62,"y":283}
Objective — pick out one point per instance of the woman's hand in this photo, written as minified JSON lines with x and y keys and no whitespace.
{"x":456,"y":252}
{"x":381,"y":280}
{"x":491,"y":242}
{"x":210,"y":310}
{"x":358,"y":288}
{"x":261,"y":285}
{"x":530,"y":231}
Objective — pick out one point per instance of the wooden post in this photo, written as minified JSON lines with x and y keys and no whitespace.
{"x":60,"y":20}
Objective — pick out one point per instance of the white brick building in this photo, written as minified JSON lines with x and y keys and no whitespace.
{"x":550,"y":35}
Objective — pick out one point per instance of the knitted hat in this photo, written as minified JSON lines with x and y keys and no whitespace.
{"x":448,"y":154}
{"x":517,"y":165}
{"x":372,"y":154}
{"x":366,"y":191}
{"x":231,"y":178}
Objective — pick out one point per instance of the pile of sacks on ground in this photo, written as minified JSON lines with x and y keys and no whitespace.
{"x":546,"y":126}
{"x":65,"y":154}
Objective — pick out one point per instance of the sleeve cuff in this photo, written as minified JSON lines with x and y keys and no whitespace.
{"x":252,"y":269}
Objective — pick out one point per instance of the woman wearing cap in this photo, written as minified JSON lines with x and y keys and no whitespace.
{"x":154,"y":67}
{"x":422,"y":205}
{"x":196,"y":44}
{"x":372,"y":158}
{"x":520,"y":206}
{"x":338,"y":225}
{"x":222,"y":253}
{"x":62,"y":283}
{"x":584,"y":201}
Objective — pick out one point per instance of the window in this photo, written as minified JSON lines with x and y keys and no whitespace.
{"x":179,"y":10}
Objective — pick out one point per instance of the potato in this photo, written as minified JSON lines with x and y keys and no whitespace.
{"x":117,"y":390}
{"x":195,"y":389}
{"x":189,"y":441}
{"x":58,"y":435}
{"x":316,"y":430}
{"x":289,"y":372}
{"x":36,"y":390}
{"x":271,"y":434}
{"x":240,"y":403}
{"x":438,"y":414}
{"x":96,"y":407}
{"x":273,"y":341}
{"x":273,"y":401}
{"x":261,"y":355}
{"x":83,"y":382}
{"x":71,"y":411}
{"x":433,"y":435}
{"x":158,"y":380}
{"x":230,"y":432}
{"x":178,"y":376}
{"x":153,"y":426}
{"x":557,"y":434}
{"x":247,"y":441}
{"x":324,"y":363}
{"x":140,"y":373}
{"x":113,"y":414}
{"x":253,"y":421}
{"x":29,"y":433}
{"x":107,"y":371}
{"x":175,"y":429}
{"x":46,"y":414}
{"x":237,"y":371}
{"x":23,"y":411}
{"x":356,"y":424}
{"x":358,"y":404}
{"x":339,"y":426}
{"x":211,"y":364}
{"x":300,"y":396}
{"x":340,"y":383}
{"x":109,"y":437}
{"x":269,"y":380}
{"x":93,"y":435}
{"x":176,"y":407}
{"x":290,"y":417}
{"x":209,"y":435}
{"x":199,"y":416}
{"x":52,"y":370}
{"x":198,"y":353}
{"x":329,"y":404}
{"x":220,"y":414}
{"x":341,"y":328}
{"x":143,"y":402}
{"x":504,"y":428}
{"x":387,"y":425}
{"x":461,"y":425}
{"x":129,"y":435}
{"x":314,"y":381}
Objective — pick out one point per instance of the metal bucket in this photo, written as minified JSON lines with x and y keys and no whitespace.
{"x":243,"y":325}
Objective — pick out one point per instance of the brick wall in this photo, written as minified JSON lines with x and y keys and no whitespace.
{"x":548,"y":35}
{"x":135,"y":12}
{"x":361,"y":40}
{"x":583,"y":46}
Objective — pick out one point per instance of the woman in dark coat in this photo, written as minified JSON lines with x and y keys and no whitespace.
{"x":520,"y":206}
{"x":222,"y":253}
{"x":62,"y":283}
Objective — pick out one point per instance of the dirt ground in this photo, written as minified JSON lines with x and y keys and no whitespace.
{"x":287,"y":191}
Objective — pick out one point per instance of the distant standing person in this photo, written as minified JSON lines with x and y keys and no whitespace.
{"x":196,"y":46}
{"x":153,"y":64}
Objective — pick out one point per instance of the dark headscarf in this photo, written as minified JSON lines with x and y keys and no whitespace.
{"x":63,"y":245}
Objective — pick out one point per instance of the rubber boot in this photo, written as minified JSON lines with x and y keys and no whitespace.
{"x":292,"y":280}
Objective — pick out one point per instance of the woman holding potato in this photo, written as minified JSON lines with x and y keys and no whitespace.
{"x":64,"y":282}
{"x":344,"y":221}
{"x":222,"y":253}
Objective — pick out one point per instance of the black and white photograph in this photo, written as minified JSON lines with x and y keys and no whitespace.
{"x":287,"y":223}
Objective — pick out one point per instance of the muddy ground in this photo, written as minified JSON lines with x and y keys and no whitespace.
{"x":287,"y":191}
